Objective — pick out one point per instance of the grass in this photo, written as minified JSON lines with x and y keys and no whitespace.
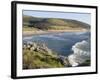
{"x":36,"y":60}
{"x":62,"y":28}
{"x":25,"y":28}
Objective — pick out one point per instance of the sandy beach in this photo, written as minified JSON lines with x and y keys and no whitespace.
{"x":28,"y":33}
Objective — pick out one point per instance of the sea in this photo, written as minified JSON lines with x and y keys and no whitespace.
{"x":61,"y":43}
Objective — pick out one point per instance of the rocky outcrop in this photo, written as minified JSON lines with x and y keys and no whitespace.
{"x":39,"y":47}
{"x":64,"y":60}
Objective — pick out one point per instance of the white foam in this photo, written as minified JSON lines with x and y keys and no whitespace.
{"x":81,"y":53}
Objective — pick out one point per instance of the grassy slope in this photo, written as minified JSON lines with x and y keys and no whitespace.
{"x":34,"y":60}
{"x":37,"y":60}
{"x":53,"y":23}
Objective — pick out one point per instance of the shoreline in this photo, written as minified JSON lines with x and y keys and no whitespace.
{"x":29,"y":33}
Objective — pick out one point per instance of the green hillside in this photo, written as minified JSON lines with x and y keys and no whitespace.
{"x":53,"y":23}
{"x":40,"y":56}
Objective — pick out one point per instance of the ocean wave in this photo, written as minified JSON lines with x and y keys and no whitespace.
{"x":81,"y":52}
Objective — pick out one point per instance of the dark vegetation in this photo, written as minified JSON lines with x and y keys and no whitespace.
{"x":86,"y":63}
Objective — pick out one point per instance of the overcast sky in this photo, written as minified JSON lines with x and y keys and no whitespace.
{"x":84,"y":17}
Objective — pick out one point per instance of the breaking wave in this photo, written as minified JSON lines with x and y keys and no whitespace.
{"x":81,"y":52}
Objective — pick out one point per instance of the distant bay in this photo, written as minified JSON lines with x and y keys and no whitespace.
{"x":61,"y":42}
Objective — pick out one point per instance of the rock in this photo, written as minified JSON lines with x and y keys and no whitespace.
{"x":24,"y":46}
{"x":32,"y":48}
{"x":64,"y":60}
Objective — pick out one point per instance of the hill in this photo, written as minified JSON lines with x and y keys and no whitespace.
{"x":38,"y":55}
{"x":53,"y":23}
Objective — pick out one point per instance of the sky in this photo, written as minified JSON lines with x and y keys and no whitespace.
{"x":84,"y":17}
